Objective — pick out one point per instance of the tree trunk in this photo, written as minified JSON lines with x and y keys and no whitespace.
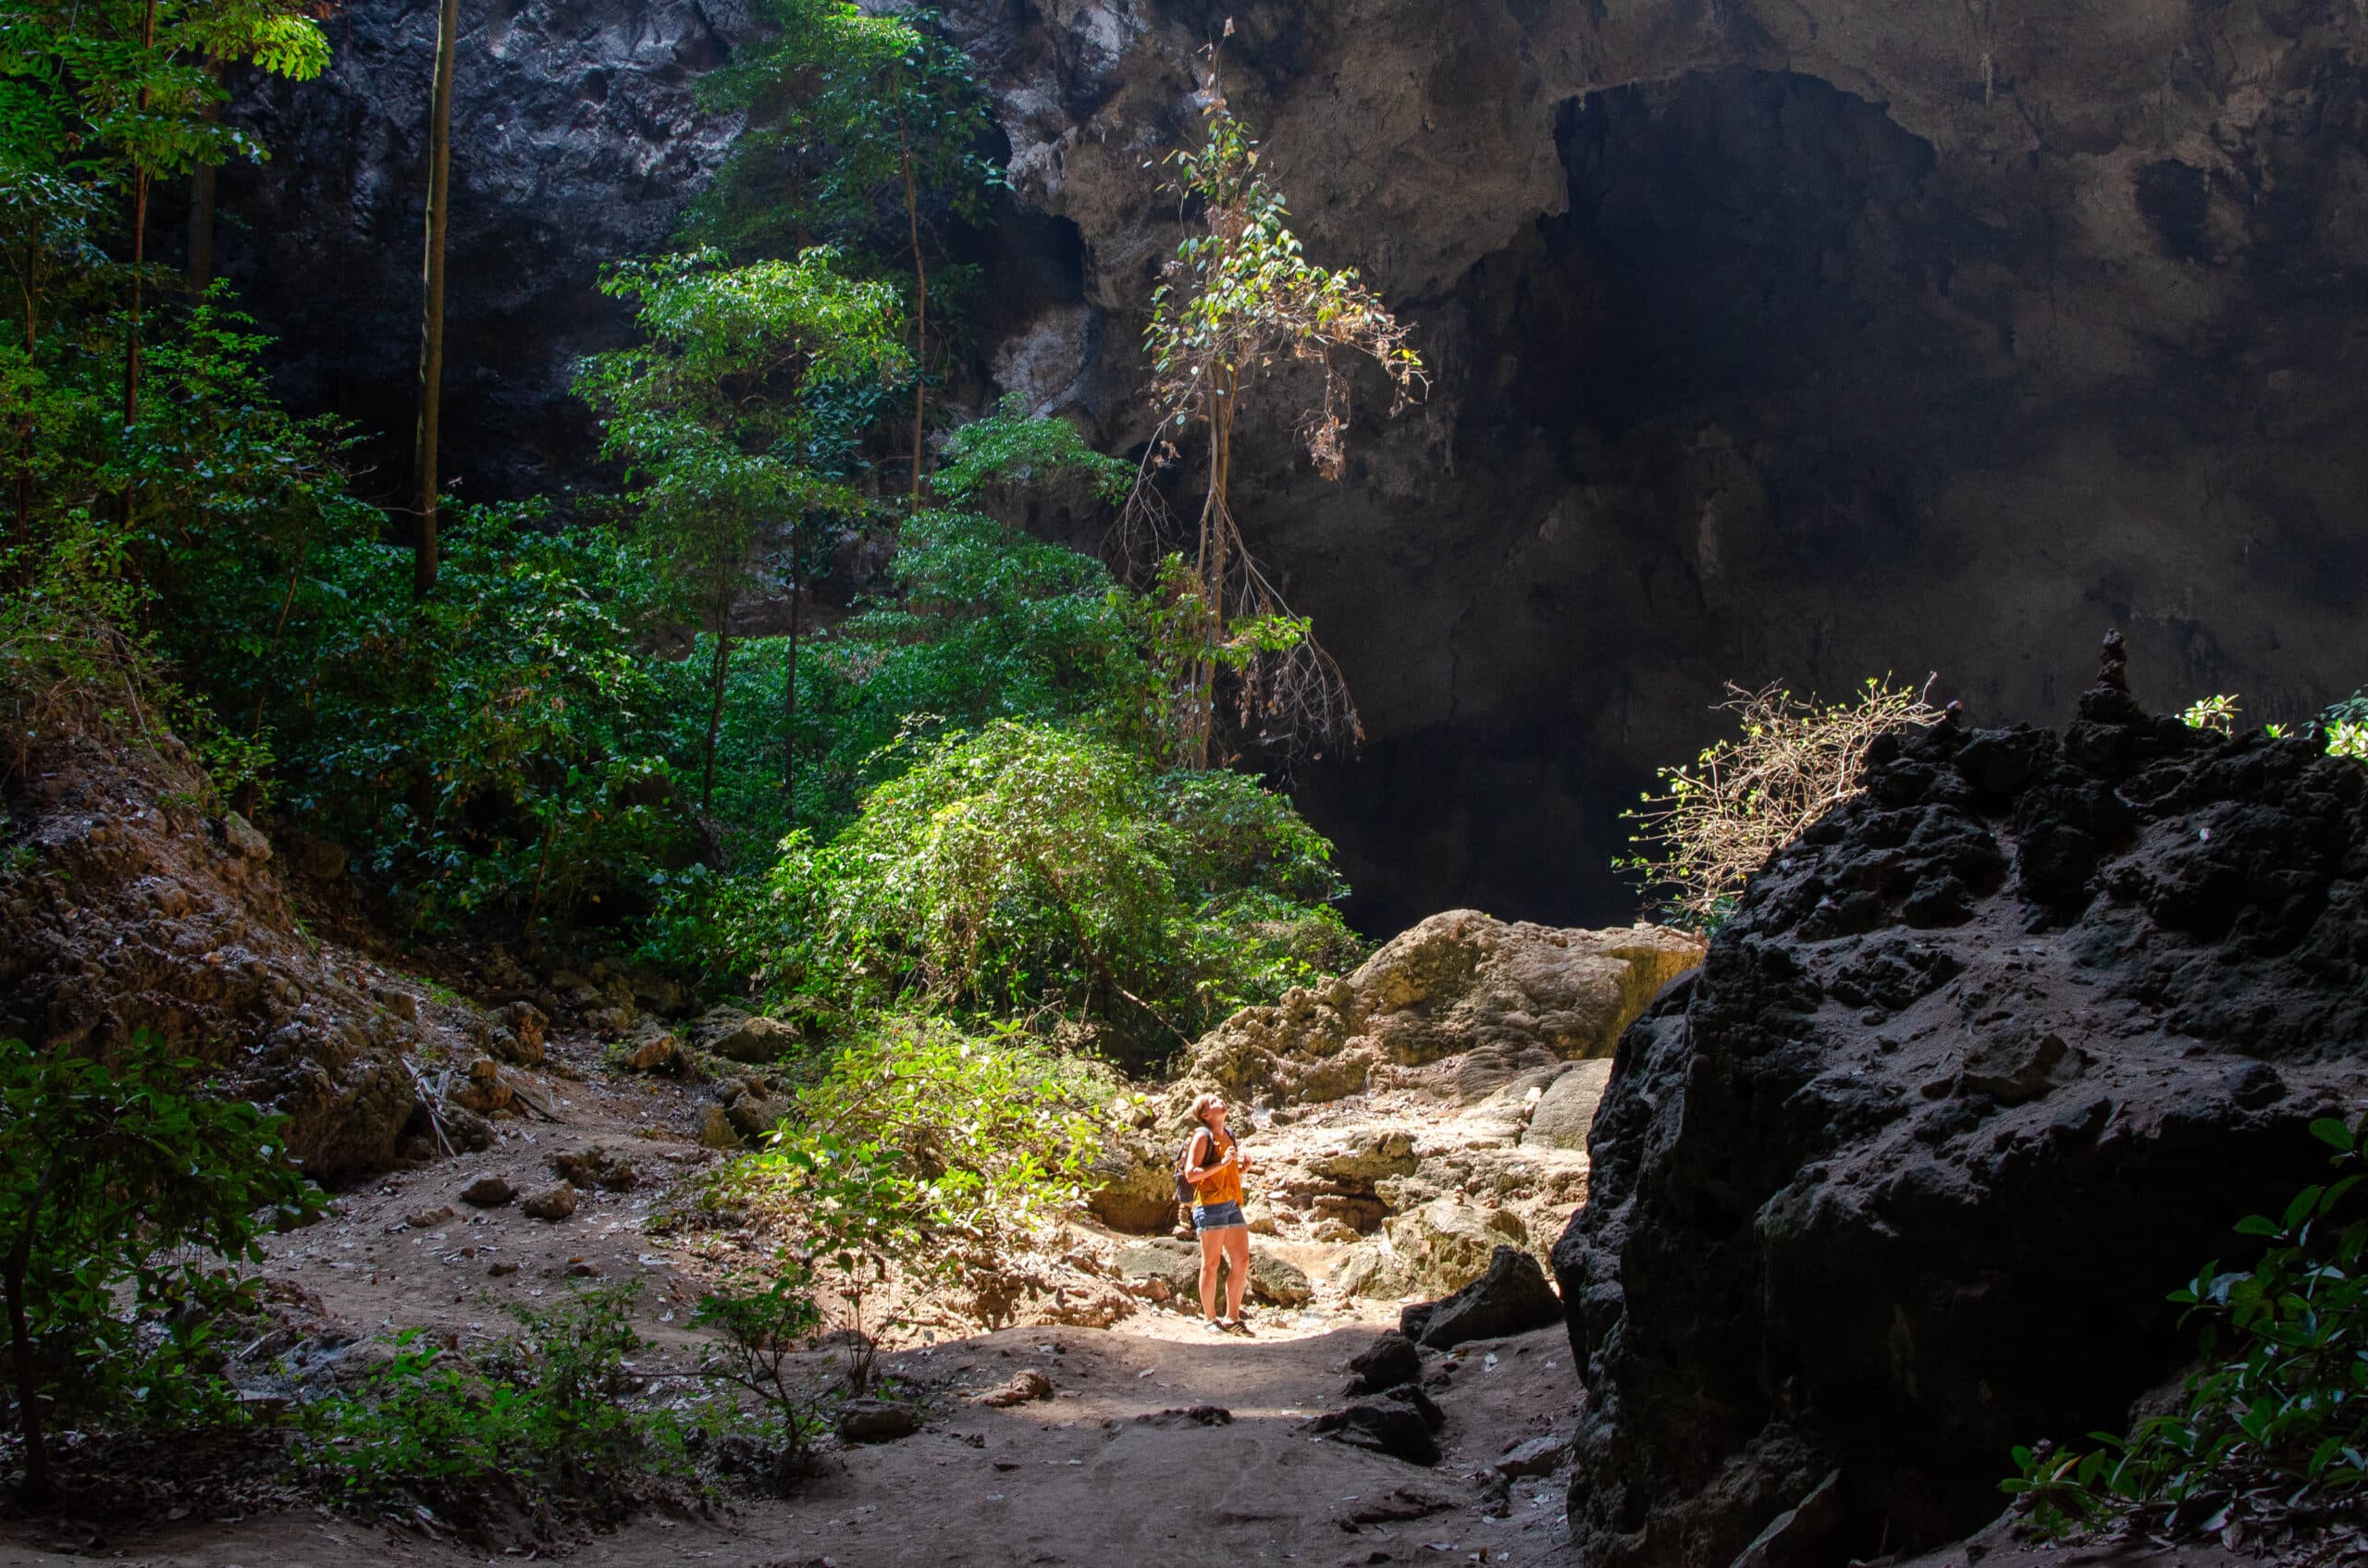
{"x":198,"y":271}
{"x":715,"y":708}
{"x":920,"y":312}
{"x":789,"y":717}
{"x":431,"y":333}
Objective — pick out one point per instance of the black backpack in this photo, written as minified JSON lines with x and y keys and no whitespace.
{"x":1184,"y":1194}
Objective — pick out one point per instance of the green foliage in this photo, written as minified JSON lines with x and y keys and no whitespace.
{"x":551,"y":1417}
{"x":759,"y":1321}
{"x":927,"y":1148}
{"x":844,"y":108}
{"x":132,"y":83}
{"x":2275,"y":1424}
{"x":129,"y":1204}
{"x":711,"y":411}
{"x":1025,"y":866}
{"x":490,"y":754}
{"x":1720,"y":818}
{"x":1006,"y":453}
{"x":2216,"y":713}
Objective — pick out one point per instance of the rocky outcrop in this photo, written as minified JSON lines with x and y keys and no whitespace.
{"x":133,"y":900}
{"x":1475,"y":1000}
{"x":1985,"y":1065}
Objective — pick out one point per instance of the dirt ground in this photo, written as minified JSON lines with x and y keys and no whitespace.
{"x":1111,"y":1467}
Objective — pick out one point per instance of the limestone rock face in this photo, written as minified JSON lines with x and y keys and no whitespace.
{"x":1901,"y":1180}
{"x":1499,"y":998}
{"x":132,"y":904}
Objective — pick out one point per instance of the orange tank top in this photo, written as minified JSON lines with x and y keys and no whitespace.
{"x":1224,"y":1186}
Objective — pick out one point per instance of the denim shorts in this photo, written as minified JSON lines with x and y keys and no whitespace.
{"x":1218,"y":1216}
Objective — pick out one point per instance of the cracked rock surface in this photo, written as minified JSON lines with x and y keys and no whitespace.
{"x":1900,"y":1180}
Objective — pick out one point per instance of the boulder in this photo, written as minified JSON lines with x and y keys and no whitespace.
{"x":1447,"y":1243}
{"x":1939,"y":1177}
{"x":552,"y":1204}
{"x":877,"y":1421}
{"x":1175,"y":1265}
{"x":716,"y":1131}
{"x":754,"y":1115}
{"x":1370,"y":1268}
{"x":1135,"y":1191}
{"x":1398,"y":1424}
{"x":1536,"y":1456}
{"x":657,"y":1053}
{"x":488,"y":1192}
{"x":1567,"y":1108}
{"x":1375,"y":1152}
{"x":1390,"y":1360}
{"x":757,"y":1041}
{"x":1502,"y":999}
{"x":1512,"y":1297}
{"x":596,"y":1167}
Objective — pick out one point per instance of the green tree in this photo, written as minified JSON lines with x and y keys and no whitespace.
{"x":850,"y":114}
{"x":126,"y":90}
{"x":1239,"y":296}
{"x":716,"y":412}
{"x":122,"y":1190}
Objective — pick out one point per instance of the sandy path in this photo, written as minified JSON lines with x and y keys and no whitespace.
{"x":1105,"y":1474}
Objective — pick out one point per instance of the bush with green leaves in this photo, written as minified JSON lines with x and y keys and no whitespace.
{"x":130,"y":1200}
{"x":1024,"y":866}
{"x":930,"y":1149}
{"x":2272,"y":1432}
{"x":554,"y":1418}
{"x":492,"y":754}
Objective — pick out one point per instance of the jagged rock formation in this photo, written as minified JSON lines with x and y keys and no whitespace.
{"x":132,"y":899}
{"x":1984,"y":1065}
{"x":1771,"y":341}
{"x":1474,"y":1000}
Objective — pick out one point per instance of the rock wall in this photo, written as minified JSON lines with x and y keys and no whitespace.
{"x":1984,"y":1066}
{"x":132,"y":899}
{"x":1798,"y":340}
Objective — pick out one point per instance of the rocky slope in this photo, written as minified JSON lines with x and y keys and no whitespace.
{"x":132,"y":899}
{"x":1796,"y":341}
{"x":1984,"y":1066}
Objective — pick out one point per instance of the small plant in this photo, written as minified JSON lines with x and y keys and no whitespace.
{"x":127,"y":1204}
{"x":2347,"y":739}
{"x":2272,"y":1434}
{"x":1720,"y":818}
{"x":759,"y":1325}
{"x":2217,"y":714}
{"x":926,"y":1154}
{"x":551,"y":1418}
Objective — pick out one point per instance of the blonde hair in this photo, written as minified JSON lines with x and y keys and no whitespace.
{"x":1201,"y":1103}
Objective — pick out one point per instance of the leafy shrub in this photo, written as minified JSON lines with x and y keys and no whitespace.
{"x":1719,"y":819}
{"x":551,"y":1418}
{"x":1025,"y":866}
{"x":129,"y":1201}
{"x":2273,"y":1427}
{"x":926,"y":1147}
{"x":488,"y":753}
{"x":2217,"y":714}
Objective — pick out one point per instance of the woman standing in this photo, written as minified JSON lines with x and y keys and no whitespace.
{"x":1214,"y":1165}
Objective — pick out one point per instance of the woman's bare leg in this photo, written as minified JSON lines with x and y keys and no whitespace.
{"x":1237,"y":1248}
{"x":1211,"y":1243}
